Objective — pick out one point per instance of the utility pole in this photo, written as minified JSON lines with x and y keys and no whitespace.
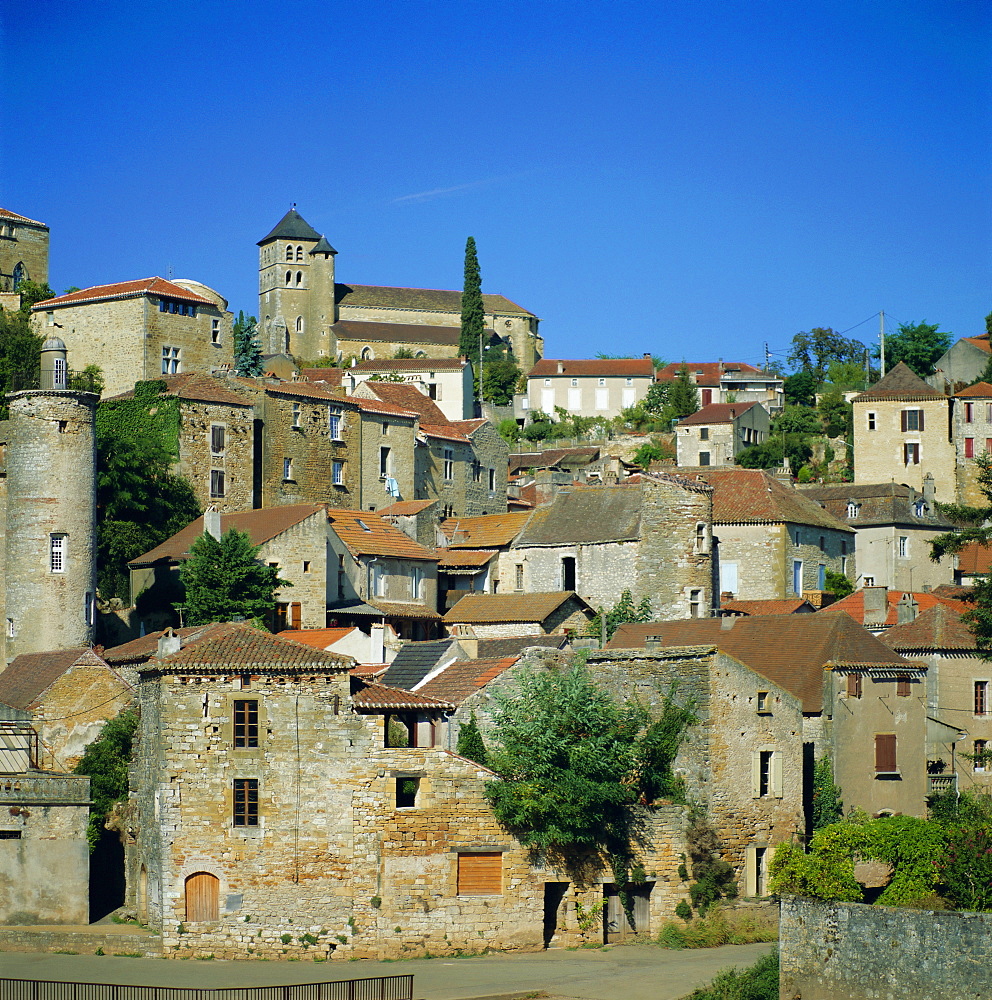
{"x":768,"y":357}
{"x":881,"y":337}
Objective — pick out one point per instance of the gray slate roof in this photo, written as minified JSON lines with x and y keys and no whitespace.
{"x":878,"y":504}
{"x":292,"y":226}
{"x":585,"y":515}
{"x":415,"y":661}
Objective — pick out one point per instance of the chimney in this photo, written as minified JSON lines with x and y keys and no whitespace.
{"x":929,"y":491}
{"x":727,"y":622}
{"x":211,"y":522}
{"x":168,"y":643}
{"x":561,"y":367}
{"x":377,"y":650}
{"x":876,"y":606}
{"x":653,"y":643}
{"x":906,"y":610}
{"x":465,"y":635}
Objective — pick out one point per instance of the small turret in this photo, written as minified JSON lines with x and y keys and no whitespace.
{"x":54,"y":367}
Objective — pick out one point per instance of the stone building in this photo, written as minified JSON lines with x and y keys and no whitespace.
{"x":772,"y":541}
{"x":730,"y":382}
{"x":137,"y":330}
{"x":972,"y":415}
{"x":894,"y":525}
{"x":492,"y":616}
{"x":962,"y":363}
{"x":303,"y":311}
{"x":48,"y":516}
{"x":903,"y":430}
{"x":717,"y":433}
{"x":878,"y":608}
{"x":448,"y":381}
{"x":23,"y":253}
{"x":600,"y":387}
{"x":69,"y":694}
{"x":653,"y":538}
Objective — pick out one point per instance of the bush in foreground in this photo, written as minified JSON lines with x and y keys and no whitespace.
{"x":719,"y":927}
{"x":759,"y":982}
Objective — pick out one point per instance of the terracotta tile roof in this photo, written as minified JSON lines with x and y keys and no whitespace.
{"x":795,"y":605}
{"x":405,"y":508}
{"x":464,"y":677}
{"x":305,"y":390}
{"x":367,"y":534}
{"x":752,"y":496}
{"x":145,"y":647}
{"x":854,"y":605}
{"x":483,"y":609}
{"x":455,"y":558}
{"x":30,"y":675}
{"x":410,"y":365}
{"x":421,"y":300}
{"x":330,"y":375}
{"x":939,"y":627}
{"x":470,"y":426}
{"x":382,"y":408}
{"x":238,"y":648}
{"x":717,"y":413}
{"x":409,"y":398}
{"x":486,"y":531}
{"x":198,"y":387}
{"x":585,"y":515}
{"x":710,"y":373}
{"x":443,"y":432}
{"x":900,"y":383}
{"x":790,"y":650}
{"x":124,"y":290}
{"x":372,"y":697}
{"x":318,"y":638}
{"x":7,"y":214}
{"x":260,"y":525}
{"x":602,"y":367}
{"x":404,"y":609}
{"x":980,"y":389}
{"x":953,"y":591}
{"x":397,"y":333}
{"x":981,"y":342}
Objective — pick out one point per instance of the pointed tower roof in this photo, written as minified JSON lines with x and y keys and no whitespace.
{"x":323,"y":247}
{"x":900,"y":383}
{"x":292,"y":226}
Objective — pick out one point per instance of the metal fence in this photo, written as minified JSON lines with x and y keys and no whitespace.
{"x":378,"y":988}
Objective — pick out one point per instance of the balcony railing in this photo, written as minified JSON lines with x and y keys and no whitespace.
{"x":938,"y":783}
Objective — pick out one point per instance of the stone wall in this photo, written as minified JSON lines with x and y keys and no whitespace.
{"x":398,"y":434}
{"x":859,"y":952}
{"x":25,"y":244}
{"x":301,"y":553}
{"x":197,"y":458}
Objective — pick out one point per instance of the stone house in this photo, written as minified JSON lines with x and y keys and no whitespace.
{"x":961,"y":364}
{"x":902,"y":430}
{"x":505,"y":615}
{"x":972,"y":414}
{"x":303,"y":311}
{"x":792,"y":606}
{"x":772,"y":542}
{"x":863,"y":704}
{"x":23,"y":253}
{"x":69,"y":694}
{"x":730,"y":382}
{"x":717,"y":433}
{"x":894,"y":525}
{"x":377,"y":648}
{"x":137,"y":330}
{"x":879,"y":608}
{"x":448,"y":381}
{"x":600,"y":387}
{"x":652,"y":537}
{"x":959,"y":686}
{"x":416,"y":518}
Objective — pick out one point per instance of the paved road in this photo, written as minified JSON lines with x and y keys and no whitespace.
{"x":633,"y":972}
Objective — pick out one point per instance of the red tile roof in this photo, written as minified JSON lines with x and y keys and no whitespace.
{"x":709,"y":373}
{"x":329,"y":375}
{"x":981,"y":342}
{"x":464,"y":558}
{"x":769,"y":607}
{"x":900,"y":383}
{"x":7,"y":214}
{"x":975,"y":559}
{"x":198,"y":387}
{"x":367,"y":534}
{"x":410,"y":365}
{"x":483,"y":609}
{"x":484,"y":531}
{"x":403,"y":609}
{"x":318,"y":638}
{"x":405,"y":508}
{"x":372,"y":697}
{"x":125,"y":290}
{"x":939,"y":627}
{"x":980,"y":389}
{"x":146,"y":646}
{"x":603,"y":367}
{"x":30,"y":675}
{"x":409,"y":398}
{"x":717,"y":413}
{"x":464,"y":677}
{"x":382,"y":408}
{"x":854,"y":605}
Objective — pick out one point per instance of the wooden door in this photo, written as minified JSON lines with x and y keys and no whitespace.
{"x":202,"y":892}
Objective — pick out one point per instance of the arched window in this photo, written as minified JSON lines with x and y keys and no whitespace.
{"x":202,"y":896}
{"x":421,"y":354}
{"x":299,"y":277}
{"x":299,"y":253}
{"x":287,"y":343}
{"x":367,"y":354}
{"x":19,"y":274}
{"x":299,"y":324}
{"x":289,"y":277}
{"x":289,"y":253}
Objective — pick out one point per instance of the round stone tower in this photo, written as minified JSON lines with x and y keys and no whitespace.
{"x":50,"y":543}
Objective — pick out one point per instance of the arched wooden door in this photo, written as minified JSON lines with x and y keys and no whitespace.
{"x":202,"y":892}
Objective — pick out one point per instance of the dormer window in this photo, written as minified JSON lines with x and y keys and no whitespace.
{"x":853,"y":509}
{"x":921,"y":509}
{"x":361,"y":524}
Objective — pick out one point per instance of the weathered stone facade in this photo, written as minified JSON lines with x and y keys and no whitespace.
{"x":216,"y":449}
{"x":23,"y":251}
{"x":972,"y":415}
{"x":716,"y":434}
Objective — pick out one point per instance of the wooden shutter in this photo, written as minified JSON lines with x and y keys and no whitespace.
{"x":776,"y":775}
{"x":480,"y":874}
{"x":755,"y":774}
{"x":751,"y":872}
{"x":902,"y":687}
{"x":854,"y":685}
{"x":920,"y":412}
{"x":202,"y":890}
{"x":903,"y":420}
{"x":296,"y":614}
{"x":885,"y":753}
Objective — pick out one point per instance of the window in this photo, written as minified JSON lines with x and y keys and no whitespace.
{"x":378,"y":580}
{"x":988,"y":445}
{"x":797,"y":576}
{"x":245,"y":724}
{"x":89,"y":608}
{"x":885,"y":754}
{"x":911,"y":453}
{"x":306,"y":565}
{"x":334,"y":422}
{"x":903,"y":686}
{"x":10,"y":628}
{"x":215,"y":331}
{"x":58,"y":373}
{"x":217,"y":439}
{"x":289,"y":277}
{"x":868,"y":581}
{"x":476,"y":472}
{"x":704,"y":458}
{"x":216,"y":482}
{"x":980,"y":753}
{"x":854,"y":685}
{"x":383,"y":463}
{"x":295,"y":425}
{"x":246,"y":802}
{"x":492,"y":480}
{"x":518,"y":582}
{"x":417,"y":583}
{"x":10,"y":834}
{"x":289,"y":253}
{"x":981,"y":697}
{"x":340,"y":577}
{"x":988,"y":413}
{"x":287,"y":469}
{"x":449,"y":464}
{"x":871,"y":421}
{"x":56,"y":553}
{"x":568,"y":573}
{"x":575,"y":382}
{"x":704,"y":434}
{"x":337,"y":473}
{"x":299,"y":253}
{"x":903,"y":546}
{"x":969,"y":413}
{"x":406,"y":792}
{"x":766,"y":774}
{"x":701,"y":539}
{"x":912,"y":420}
{"x":480,"y":874}
{"x":171,"y":361}
{"x":969,"y":447}
{"x":695,"y":604}
{"x":764,"y":705}
{"x":299,"y":281}
{"x":853,"y":508}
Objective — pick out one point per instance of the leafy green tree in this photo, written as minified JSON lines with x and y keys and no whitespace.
{"x":403,"y":352}
{"x":509,"y":430}
{"x":106,"y":761}
{"x":623,"y":612}
{"x":655,"y":400}
{"x":827,"y":805}
{"x":986,"y":373}
{"x":683,"y":396}
{"x":836,"y":414}
{"x":225,"y":580}
{"x":838,"y":584}
{"x":470,"y":742}
{"x":847,"y":375}
{"x":800,"y":389}
{"x":647,"y":453}
{"x":20,"y":347}
{"x":797,"y":420}
{"x":917,"y":345}
{"x":247,"y":354}
{"x":498,"y":375}
{"x":813,"y":352}
{"x":473,"y":311}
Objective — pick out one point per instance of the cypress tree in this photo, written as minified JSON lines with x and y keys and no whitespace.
{"x":470,"y":742}
{"x":473,"y":313}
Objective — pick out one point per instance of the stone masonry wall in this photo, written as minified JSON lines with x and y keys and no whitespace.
{"x":301,"y":554}
{"x":396,"y":433}
{"x":197,"y":458}
{"x":860,"y":952}
{"x":27,"y":246}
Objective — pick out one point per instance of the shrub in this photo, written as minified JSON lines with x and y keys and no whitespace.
{"x":759,"y":982}
{"x":718,"y":928}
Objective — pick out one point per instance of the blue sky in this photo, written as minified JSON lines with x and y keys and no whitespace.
{"x":692,"y":179}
